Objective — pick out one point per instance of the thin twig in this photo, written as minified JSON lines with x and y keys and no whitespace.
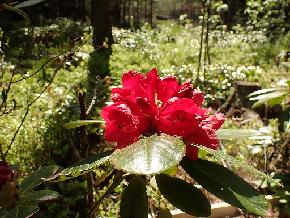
{"x":41,"y":67}
{"x":3,"y":158}
{"x":27,"y":111}
{"x":93,"y":102}
{"x":116,"y":181}
{"x":86,"y":148}
{"x":201,"y":45}
{"x":207,"y":32}
{"x":7,"y":91}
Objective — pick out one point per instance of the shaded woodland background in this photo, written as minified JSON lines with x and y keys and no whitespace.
{"x":59,"y":58}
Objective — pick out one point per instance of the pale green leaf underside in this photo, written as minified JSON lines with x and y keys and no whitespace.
{"x":150,"y":155}
{"x":220,"y":155}
{"x":272,"y":97}
{"x":264,"y":91}
{"x":240,"y":133}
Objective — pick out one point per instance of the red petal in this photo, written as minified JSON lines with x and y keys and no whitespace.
{"x":135,"y":82}
{"x":120,"y":94}
{"x":122,"y":124}
{"x":185,"y":90}
{"x":148,"y":108}
{"x":151,"y":82}
{"x":123,"y":137}
{"x":185,"y":104}
{"x":213,"y":121}
{"x":203,"y":136}
{"x":198,"y":97}
{"x":178,"y":122}
{"x":108,"y":111}
{"x":167,"y":88}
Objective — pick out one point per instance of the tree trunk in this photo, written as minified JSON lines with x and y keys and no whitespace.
{"x":116,"y":13}
{"x":230,"y":15}
{"x":98,"y":66}
{"x":102,"y":27}
{"x":151,"y":13}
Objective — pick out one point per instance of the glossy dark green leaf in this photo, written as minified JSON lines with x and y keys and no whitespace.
{"x":37,"y":177}
{"x":79,"y":123}
{"x":28,"y":3}
{"x":22,"y":212}
{"x":81,"y":167}
{"x":150,"y":155}
{"x":183,"y":195}
{"x":134,"y":203}
{"x":226,"y":185}
{"x":38,"y":196}
{"x":237,"y":163}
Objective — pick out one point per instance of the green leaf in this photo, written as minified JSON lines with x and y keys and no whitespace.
{"x":37,"y":196}
{"x":271,"y":98}
{"x":16,"y":10}
{"x":226,"y":185}
{"x":264,"y":91}
{"x":240,"y":164}
{"x":79,"y":123}
{"x":240,"y":133}
{"x":171,"y":171}
{"x":150,"y":155}
{"x":183,"y":195}
{"x":134,"y":203}
{"x":28,"y":3}
{"x":81,"y":167}
{"x":22,"y":212}
{"x":37,"y":177}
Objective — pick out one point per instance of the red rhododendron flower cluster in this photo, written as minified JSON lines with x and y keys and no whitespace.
{"x":6,"y":175}
{"x":146,"y":105}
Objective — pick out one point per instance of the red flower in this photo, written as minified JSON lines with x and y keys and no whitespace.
{"x":6,"y":175}
{"x":147,"y":105}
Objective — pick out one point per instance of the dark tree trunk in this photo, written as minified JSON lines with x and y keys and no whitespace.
{"x":230,"y":15}
{"x":116,"y":13}
{"x":145,"y":11}
{"x":102,"y":27}
{"x":151,"y":13}
{"x":138,"y":13}
{"x":98,"y":66}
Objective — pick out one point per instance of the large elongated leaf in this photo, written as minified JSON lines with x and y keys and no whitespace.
{"x":272,"y":98}
{"x":264,"y":91}
{"x":38,"y":196}
{"x":182,"y":195}
{"x":21,"y":212}
{"x":37,"y":177}
{"x":79,"y":123}
{"x":81,"y":167}
{"x":240,"y":164}
{"x":134,"y":203}
{"x":226,"y":185}
{"x":28,"y":3}
{"x":149,"y":155}
{"x":240,"y":133}
{"x":16,"y":10}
